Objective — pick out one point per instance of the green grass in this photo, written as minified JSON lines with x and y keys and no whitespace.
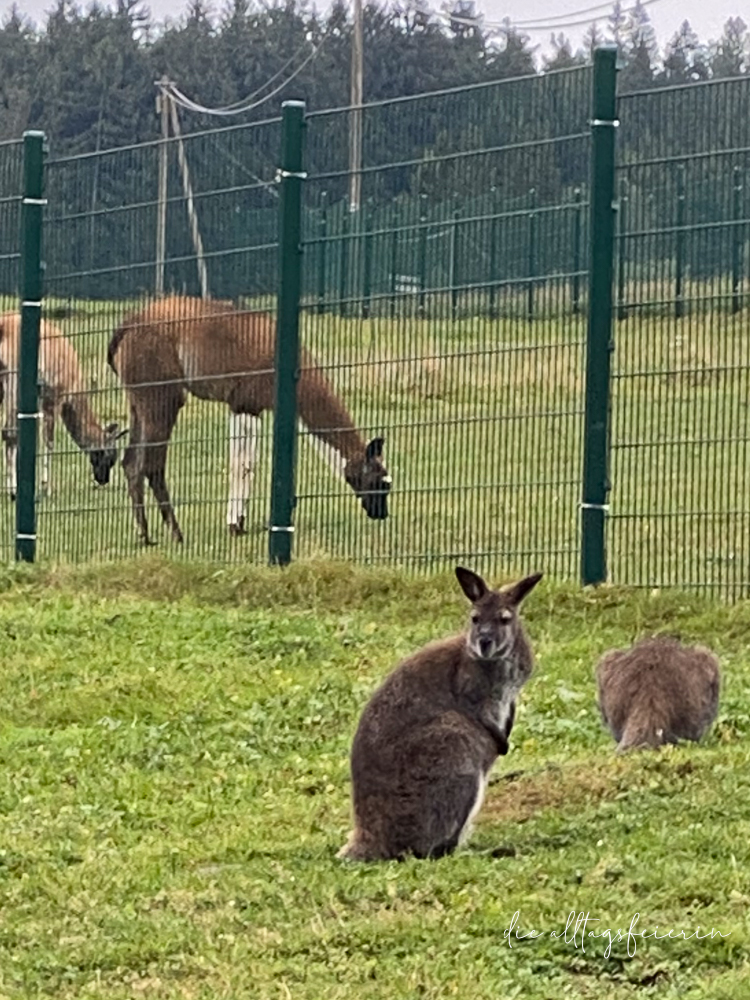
{"x":174,"y":787}
{"x":483,"y":424}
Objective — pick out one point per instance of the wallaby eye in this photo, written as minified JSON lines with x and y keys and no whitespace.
{"x":475,"y":618}
{"x":505,"y":616}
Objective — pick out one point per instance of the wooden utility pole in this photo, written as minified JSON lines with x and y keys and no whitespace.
{"x":355,"y":126}
{"x":162,"y":109}
{"x":187,"y":187}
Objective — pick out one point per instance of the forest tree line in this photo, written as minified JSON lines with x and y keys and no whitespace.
{"x":86,"y":77}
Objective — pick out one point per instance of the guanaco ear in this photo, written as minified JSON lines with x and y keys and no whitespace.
{"x":472,"y":584}
{"x":123,"y":432}
{"x":374,"y":449}
{"x":518,"y":591}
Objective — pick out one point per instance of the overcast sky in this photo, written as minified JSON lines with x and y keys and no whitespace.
{"x":666,"y":15}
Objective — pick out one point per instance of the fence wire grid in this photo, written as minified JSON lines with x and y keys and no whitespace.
{"x":447,"y":315}
{"x":681,"y":377}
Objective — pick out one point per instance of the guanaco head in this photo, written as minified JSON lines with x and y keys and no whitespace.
{"x":369,"y":479}
{"x":102,"y":459}
{"x":494,"y":614}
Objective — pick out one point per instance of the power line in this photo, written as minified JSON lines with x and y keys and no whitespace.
{"x":604,"y":8}
{"x":185,"y":102}
{"x":508,"y":26}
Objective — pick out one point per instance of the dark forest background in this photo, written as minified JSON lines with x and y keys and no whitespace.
{"x":87,"y":76}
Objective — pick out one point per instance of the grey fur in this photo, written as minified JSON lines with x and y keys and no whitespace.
{"x":658,"y":691}
{"x":430,"y":734}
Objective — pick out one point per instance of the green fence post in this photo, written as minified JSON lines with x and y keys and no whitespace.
{"x":287,"y":334}
{"x":421,"y":302}
{"x":576,"y":293}
{"x":367,"y":264}
{"x":453,"y":282}
{"x":322,"y":248}
{"x":345,"y":244}
{"x":394,"y":270}
{"x":622,"y":221}
{"x":599,"y":332}
{"x":737,"y":240}
{"x":679,"y":251}
{"x":493,"y":254}
{"x":28,"y":360}
{"x":532,"y":255}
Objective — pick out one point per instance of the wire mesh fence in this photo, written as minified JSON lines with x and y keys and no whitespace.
{"x":446,"y":314}
{"x":105,"y":263}
{"x":681,"y":488}
{"x":444,"y":310}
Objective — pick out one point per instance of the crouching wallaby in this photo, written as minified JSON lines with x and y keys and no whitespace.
{"x":658,"y":691}
{"x":430,"y":734}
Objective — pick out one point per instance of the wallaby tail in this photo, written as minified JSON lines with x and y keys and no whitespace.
{"x":360,"y":847}
{"x":644,"y":733}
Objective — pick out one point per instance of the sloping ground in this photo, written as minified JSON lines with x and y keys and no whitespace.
{"x":174,"y":787}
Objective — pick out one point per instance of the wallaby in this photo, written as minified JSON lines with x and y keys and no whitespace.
{"x":658,"y":691}
{"x":430,"y":734}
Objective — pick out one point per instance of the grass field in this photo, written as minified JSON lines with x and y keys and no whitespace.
{"x":174,"y":788}
{"x":483,"y":424}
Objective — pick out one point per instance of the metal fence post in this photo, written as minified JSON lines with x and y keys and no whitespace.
{"x":576,"y":294}
{"x":291,"y":176}
{"x":422,"y":261}
{"x":738,"y":238}
{"x":453,"y":263}
{"x":322,"y":248}
{"x":493,"y":254}
{"x":599,"y":332}
{"x":367,"y":263}
{"x":345,"y":245}
{"x":28,"y":356}
{"x":531,"y":255}
{"x":394,"y":268}
{"x":622,"y":222}
{"x":679,"y":253}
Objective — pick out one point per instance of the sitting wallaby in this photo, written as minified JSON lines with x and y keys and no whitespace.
{"x":427,"y":739}
{"x":658,"y":691}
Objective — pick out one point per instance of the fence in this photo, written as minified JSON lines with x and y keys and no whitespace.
{"x":449,"y":315}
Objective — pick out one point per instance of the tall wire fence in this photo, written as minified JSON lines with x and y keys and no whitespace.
{"x":104,"y":265}
{"x":447,"y":315}
{"x":681,"y":380}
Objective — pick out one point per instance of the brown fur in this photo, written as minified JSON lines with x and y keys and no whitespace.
{"x":178,"y":345}
{"x":658,"y":691}
{"x":430,"y":734}
{"x":63,"y":393}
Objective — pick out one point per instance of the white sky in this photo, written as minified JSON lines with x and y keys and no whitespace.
{"x":707,"y":19}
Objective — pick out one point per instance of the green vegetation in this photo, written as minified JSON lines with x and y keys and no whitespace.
{"x":174,"y":788}
{"x":483,"y":423}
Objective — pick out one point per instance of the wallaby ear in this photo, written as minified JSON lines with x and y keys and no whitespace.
{"x":519,"y":590}
{"x":374,"y":449}
{"x":472,"y":584}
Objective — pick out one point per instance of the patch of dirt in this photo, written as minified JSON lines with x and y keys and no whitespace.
{"x":520,"y":797}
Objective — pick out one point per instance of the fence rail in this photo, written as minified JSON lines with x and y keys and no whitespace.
{"x":449,"y":315}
